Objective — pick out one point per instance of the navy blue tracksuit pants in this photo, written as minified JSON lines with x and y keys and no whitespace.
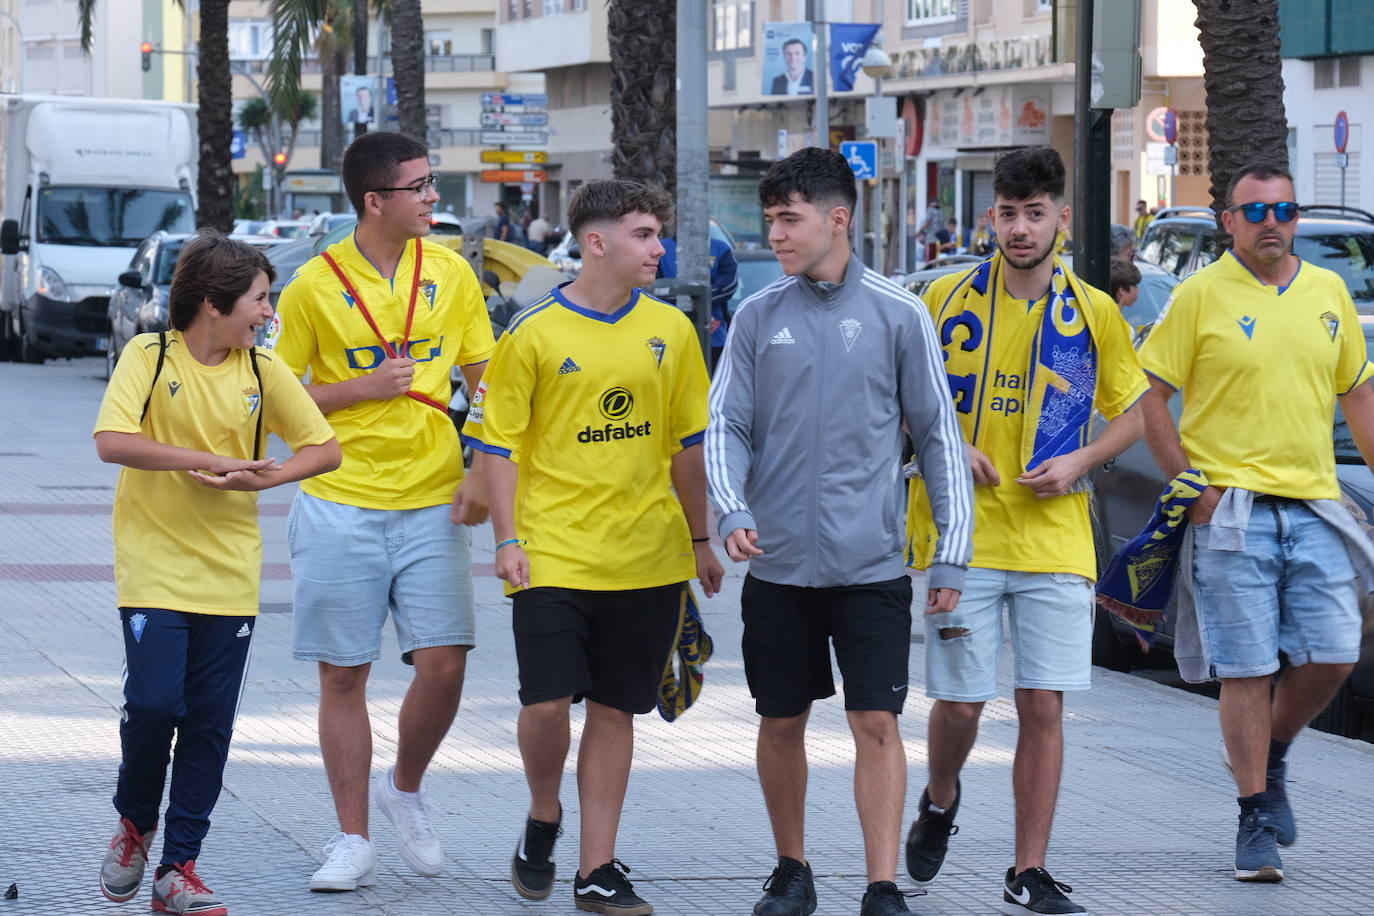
{"x":183,"y":676}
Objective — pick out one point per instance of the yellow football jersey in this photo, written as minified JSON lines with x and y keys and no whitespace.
{"x":397,"y":453}
{"x":1014,"y":529}
{"x":179,"y":544}
{"x":592,"y":407}
{"x":1260,"y":368}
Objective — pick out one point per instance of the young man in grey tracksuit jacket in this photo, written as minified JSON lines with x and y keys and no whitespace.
{"x":820,"y":371}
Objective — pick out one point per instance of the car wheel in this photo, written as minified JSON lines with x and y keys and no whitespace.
{"x":1342,"y":716}
{"x":1109,"y":649}
{"x":28,"y":353}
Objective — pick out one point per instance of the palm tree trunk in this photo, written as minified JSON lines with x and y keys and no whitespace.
{"x":215,"y":182}
{"x":332,"y":63}
{"x":1243,"y":77}
{"x":408,"y":65}
{"x":643,"y":39}
{"x":360,"y":52}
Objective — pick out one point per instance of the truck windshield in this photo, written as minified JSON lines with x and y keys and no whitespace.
{"x":114,"y":217}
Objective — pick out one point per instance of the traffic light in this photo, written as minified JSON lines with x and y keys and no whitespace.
{"x":279,"y":159}
{"x":147,"y":49}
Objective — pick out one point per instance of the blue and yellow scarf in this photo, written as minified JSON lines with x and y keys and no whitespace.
{"x":680,"y":688}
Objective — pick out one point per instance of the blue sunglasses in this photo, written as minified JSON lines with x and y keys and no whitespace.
{"x":1284,"y":212}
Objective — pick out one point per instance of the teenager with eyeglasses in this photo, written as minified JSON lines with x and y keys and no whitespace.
{"x":378,"y":320}
{"x":1262,"y":345}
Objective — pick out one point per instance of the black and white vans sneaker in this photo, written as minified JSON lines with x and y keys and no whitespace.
{"x":532,"y":868}
{"x":1034,"y":892}
{"x":607,"y":890}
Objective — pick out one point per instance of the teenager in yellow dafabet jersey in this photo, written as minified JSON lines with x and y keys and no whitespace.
{"x":378,"y":321}
{"x":187,"y":413}
{"x":591,"y":420}
{"x":1031,"y":352}
{"x":1261,"y":345}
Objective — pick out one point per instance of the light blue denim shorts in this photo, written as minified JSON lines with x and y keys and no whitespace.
{"x":1051,"y":621}
{"x":353,"y":566}
{"x":1292,"y":590}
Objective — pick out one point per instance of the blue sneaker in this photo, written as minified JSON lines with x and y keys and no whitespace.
{"x":1257,"y":850}
{"x":1280,"y":813}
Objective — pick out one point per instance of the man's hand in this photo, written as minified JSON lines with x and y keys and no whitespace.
{"x":469,"y":503}
{"x":1054,"y":476}
{"x":742,"y":544}
{"x":1200,"y":512}
{"x":984,"y":474}
{"x":513,"y":565}
{"x":941,"y":600}
{"x":709,"y":571}
{"x":391,"y":379}
{"x":224,"y":464}
{"x":245,"y":481}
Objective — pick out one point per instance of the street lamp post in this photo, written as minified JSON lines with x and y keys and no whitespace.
{"x":19,"y":30}
{"x":877,"y":65}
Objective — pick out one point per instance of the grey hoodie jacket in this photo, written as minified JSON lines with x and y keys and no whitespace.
{"x":804,"y":443}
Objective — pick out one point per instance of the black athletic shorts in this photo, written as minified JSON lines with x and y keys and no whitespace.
{"x":610,"y":647}
{"x":787,"y":634}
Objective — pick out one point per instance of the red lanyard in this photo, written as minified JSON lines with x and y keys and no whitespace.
{"x":371,"y":322}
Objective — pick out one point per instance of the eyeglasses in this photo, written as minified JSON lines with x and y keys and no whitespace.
{"x":424,"y":185}
{"x":1285,"y":211}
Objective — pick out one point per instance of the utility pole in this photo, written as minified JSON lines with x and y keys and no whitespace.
{"x":693,"y":166}
{"x":822,"y":71}
{"x":1091,"y":163}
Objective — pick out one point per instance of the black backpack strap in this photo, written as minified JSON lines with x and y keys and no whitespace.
{"x":262,"y":402}
{"x":161,"y":358}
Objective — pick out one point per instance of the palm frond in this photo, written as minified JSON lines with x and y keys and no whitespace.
{"x":294,"y":27}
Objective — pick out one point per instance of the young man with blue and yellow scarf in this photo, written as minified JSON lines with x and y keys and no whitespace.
{"x":1030,"y":351}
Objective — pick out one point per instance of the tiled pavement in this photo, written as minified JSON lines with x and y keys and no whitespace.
{"x":1145,"y":823}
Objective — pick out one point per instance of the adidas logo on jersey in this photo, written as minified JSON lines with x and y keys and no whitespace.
{"x":569,"y":366}
{"x":782,"y":337}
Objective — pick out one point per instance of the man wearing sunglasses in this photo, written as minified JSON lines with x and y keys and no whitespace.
{"x":379,"y":319}
{"x":1262,"y":345}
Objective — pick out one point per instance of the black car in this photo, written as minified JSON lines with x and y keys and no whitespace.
{"x":1125,"y":492}
{"x":139,"y":302}
{"x":1183,"y":239}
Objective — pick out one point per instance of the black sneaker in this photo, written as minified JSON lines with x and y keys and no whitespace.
{"x":607,"y":890}
{"x":1034,"y":891}
{"x":789,"y":891}
{"x":531,"y":868}
{"x":883,"y":898}
{"x":928,"y":839}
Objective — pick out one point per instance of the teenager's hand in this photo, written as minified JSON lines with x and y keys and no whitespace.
{"x":223,"y":464}
{"x":241,"y":481}
{"x":1200,"y":512}
{"x":941,"y":600}
{"x":1054,"y":476}
{"x":513,"y":565}
{"x":392,"y":378}
{"x":743,"y":544}
{"x":469,"y":503}
{"x":984,"y":473}
{"x":709,"y":571}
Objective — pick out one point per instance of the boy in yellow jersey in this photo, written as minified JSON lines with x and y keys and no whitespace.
{"x":1030,"y":353}
{"x":1262,"y":345}
{"x":379,"y":320}
{"x":591,"y":417}
{"x":196,"y":399}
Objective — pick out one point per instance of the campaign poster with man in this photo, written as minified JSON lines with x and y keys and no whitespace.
{"x":356,"y":99}
{"x":787,"y":59}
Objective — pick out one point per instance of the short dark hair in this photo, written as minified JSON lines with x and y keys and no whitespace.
{"x":1262,"y":169}
{"x":1028,"y":172}
{"x":608,"y":199}
{"x":372,"y":160}
{"x":1124,"y":275}
{"x":793,"y":41}
{"x":818,"y":176}
{"x":213,"y":267}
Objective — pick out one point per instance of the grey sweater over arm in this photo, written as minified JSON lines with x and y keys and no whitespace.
{"x":804,"y":443}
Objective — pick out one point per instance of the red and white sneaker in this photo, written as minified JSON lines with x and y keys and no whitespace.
{"x":180,"y":890}
{"x":121,"y":874}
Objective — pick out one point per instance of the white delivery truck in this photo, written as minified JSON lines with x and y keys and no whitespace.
{"x":82,"y":182}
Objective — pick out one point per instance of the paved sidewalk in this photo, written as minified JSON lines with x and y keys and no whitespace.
{"x":1145,"y":826}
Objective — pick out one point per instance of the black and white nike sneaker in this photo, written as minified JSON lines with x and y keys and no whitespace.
{"x":607,"y":890}
{"x":1034,"y":892}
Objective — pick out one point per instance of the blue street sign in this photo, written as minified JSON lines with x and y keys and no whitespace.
{"x":238,"y":145}
{"x":529,"y":100}
{"x":862,"y":156}
{"x":1170,"y":126}
{"x":1342,"y":131}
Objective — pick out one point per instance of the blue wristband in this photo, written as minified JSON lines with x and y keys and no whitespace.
{"x":507,"y":542}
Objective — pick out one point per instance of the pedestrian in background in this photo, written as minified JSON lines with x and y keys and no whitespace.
{"x":1263,"y":346}
{"x":599,"y":525}
{"x":821,"y":370}
{"x":187,"y":413}
{"x":1122,"y":243}
{"x":1124,"y":283}
{"x":537,"y":235}
{"x":379,"y":320}
{"x":1031,"y":351}
{"x":1143,"y":216}
{"x":502,"y":231}
{"x":724,"y":270}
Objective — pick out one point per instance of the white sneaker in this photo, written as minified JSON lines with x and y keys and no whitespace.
{"x":419,"y":844}
{"x":349,"y":863}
